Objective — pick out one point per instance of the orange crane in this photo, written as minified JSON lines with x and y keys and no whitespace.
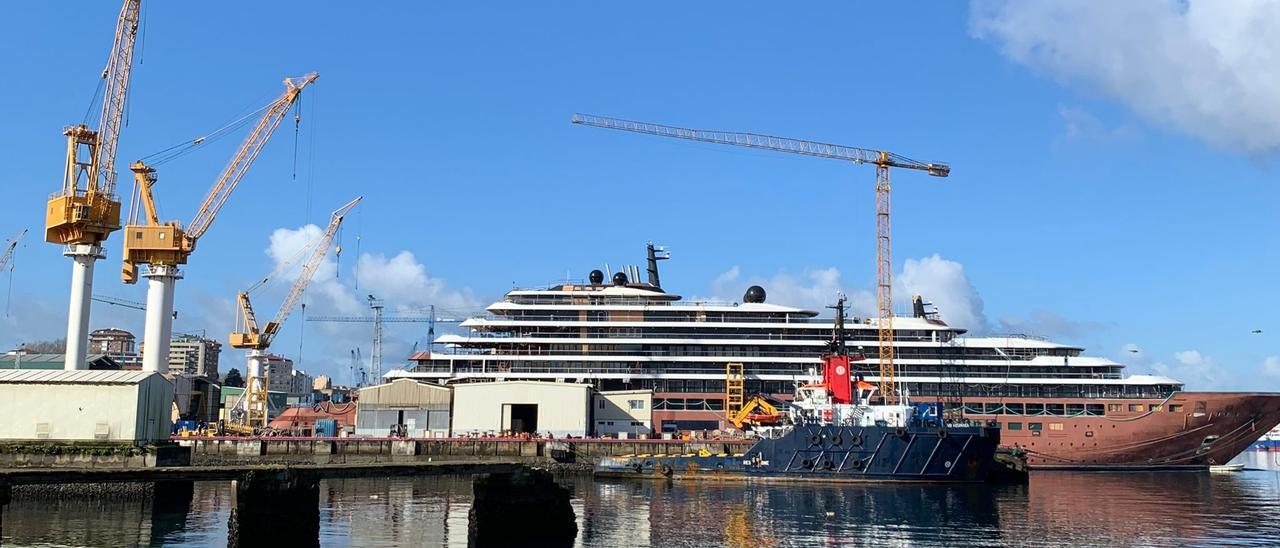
{"x":85,"y":211}
{"x":881,"y":159}
{"x":251,"y":410}
{"x":164,"y":246}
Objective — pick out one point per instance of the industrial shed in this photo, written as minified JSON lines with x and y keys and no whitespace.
{"x":84,"y":405}
{"x":514,"y":407}
{"x":413,"y":408}
{"x":622,"y":413}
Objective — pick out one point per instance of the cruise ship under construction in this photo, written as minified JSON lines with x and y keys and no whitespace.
{"x":1065,"y":409}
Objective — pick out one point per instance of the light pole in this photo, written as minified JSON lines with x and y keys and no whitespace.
{"x":17,"y":357}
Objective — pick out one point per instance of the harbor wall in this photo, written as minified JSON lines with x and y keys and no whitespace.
{"x":209,"y":451}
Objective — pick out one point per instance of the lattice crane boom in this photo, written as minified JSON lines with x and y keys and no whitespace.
{"x":9,"y":248}
{"x":85,"y":211}
{"x":158,"y":243}
{"x":247,"y":334}
{"x":245,"y":156}
{"x":883,"y":160}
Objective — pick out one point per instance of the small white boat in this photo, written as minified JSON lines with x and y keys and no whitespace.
{"x":1226,"y":467}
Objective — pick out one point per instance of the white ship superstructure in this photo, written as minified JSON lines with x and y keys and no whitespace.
{"x":626,"y":334}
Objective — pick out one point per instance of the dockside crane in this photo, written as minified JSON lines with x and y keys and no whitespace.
{"x":251,"y":410}
{"x":162,"y":246}
{"x":883,"y":161}
{"x":85,"y":211}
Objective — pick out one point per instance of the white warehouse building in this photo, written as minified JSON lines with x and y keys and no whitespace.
{"x":85,"y":405}
{"x":515,"y":407}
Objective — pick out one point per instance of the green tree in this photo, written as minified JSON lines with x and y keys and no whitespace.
{"x":233,"y":378}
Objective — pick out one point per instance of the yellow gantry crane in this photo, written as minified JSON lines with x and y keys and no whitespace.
{"x":251,"y":410}
{"x":162,"y":246}
{"x":881,"y":159}
{"x":85,"y":211}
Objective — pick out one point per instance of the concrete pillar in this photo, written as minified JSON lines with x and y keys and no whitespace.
{"x":280,"y":508}
{"x":6,"y":491}
{"x":526,"y":507}
{"x":159,"y":325}
{"x":83,"y":258}
{"x":170,"y":504}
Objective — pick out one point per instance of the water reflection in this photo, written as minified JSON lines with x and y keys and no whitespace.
{"x":1055,"y":508}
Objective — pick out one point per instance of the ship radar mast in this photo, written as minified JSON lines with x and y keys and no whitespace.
{"x":656,"y":253}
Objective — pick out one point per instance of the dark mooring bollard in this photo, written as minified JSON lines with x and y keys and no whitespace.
{"x":278,"y":508}
{"x":524,"y":508}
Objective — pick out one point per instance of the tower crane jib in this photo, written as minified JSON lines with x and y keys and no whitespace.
{"x":883,"y":160}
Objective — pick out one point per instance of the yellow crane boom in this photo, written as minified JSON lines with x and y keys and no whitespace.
{"x":169,"y":244}
{"x":85,"y":211}
{"x":247,"y":335}
{"x":883,"y":160}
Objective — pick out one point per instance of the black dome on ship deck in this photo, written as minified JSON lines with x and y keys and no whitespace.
{"x":596,"y":277}
{"x":755,"y":294}
{"x":619,"y":279}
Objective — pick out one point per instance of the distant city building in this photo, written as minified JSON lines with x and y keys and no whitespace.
{"x":192,"y":355}
{"x":117,"y":343}
{"x":302,"y":384}
{"x":282,"y":377}
{"x":323,"y":382}
{"x":279,"y":372}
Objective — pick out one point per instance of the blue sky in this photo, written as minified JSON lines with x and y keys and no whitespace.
{"x":1101,"y":193}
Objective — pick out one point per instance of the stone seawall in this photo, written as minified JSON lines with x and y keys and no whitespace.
{"x":358,"y":450}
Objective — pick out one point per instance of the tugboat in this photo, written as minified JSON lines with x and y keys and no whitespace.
{"x":832,"y":431}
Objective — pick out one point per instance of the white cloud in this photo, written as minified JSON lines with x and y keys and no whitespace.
{"x":1271,"y":366}
{"x":814,"y":290}
{"x":1080,"y":124}
{"x":401,"y":281}
{"x":938,"y":280}
{"x":1047,"y":324}
{"x":1208,"y":69}
{"x":945,"y":284}
{"x":1194,"y":369}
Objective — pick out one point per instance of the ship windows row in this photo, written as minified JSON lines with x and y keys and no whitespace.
{"x":1032,"y":409}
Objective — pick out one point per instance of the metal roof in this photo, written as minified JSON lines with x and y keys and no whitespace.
{"x":60,"y":376}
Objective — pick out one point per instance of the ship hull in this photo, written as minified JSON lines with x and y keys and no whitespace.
{"x":1125,"y":433}
{"x":1188,"y":430}
{"x":833,"y":454}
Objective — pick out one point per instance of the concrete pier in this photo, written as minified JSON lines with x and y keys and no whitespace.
{"x":522,"y":508}
{"x":6,"y":494}
{"x":170,"y":505}
{"x":278,"y":508}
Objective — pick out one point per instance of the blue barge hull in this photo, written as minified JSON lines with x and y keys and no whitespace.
{"x":834,"y":454}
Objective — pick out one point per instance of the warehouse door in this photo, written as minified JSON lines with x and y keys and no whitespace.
{"x":522,"y":418}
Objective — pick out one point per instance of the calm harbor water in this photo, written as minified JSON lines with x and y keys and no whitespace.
{"x":1056,"y":508}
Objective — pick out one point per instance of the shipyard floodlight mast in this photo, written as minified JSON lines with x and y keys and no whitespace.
{"x":881,"y":159}
{"x":85,"y":211}
{"x":162,"y":246}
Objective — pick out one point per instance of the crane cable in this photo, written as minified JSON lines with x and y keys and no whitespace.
{"x":182,"y":149}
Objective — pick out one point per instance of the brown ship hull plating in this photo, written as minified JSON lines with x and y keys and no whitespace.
{"x":1187,"y":430}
